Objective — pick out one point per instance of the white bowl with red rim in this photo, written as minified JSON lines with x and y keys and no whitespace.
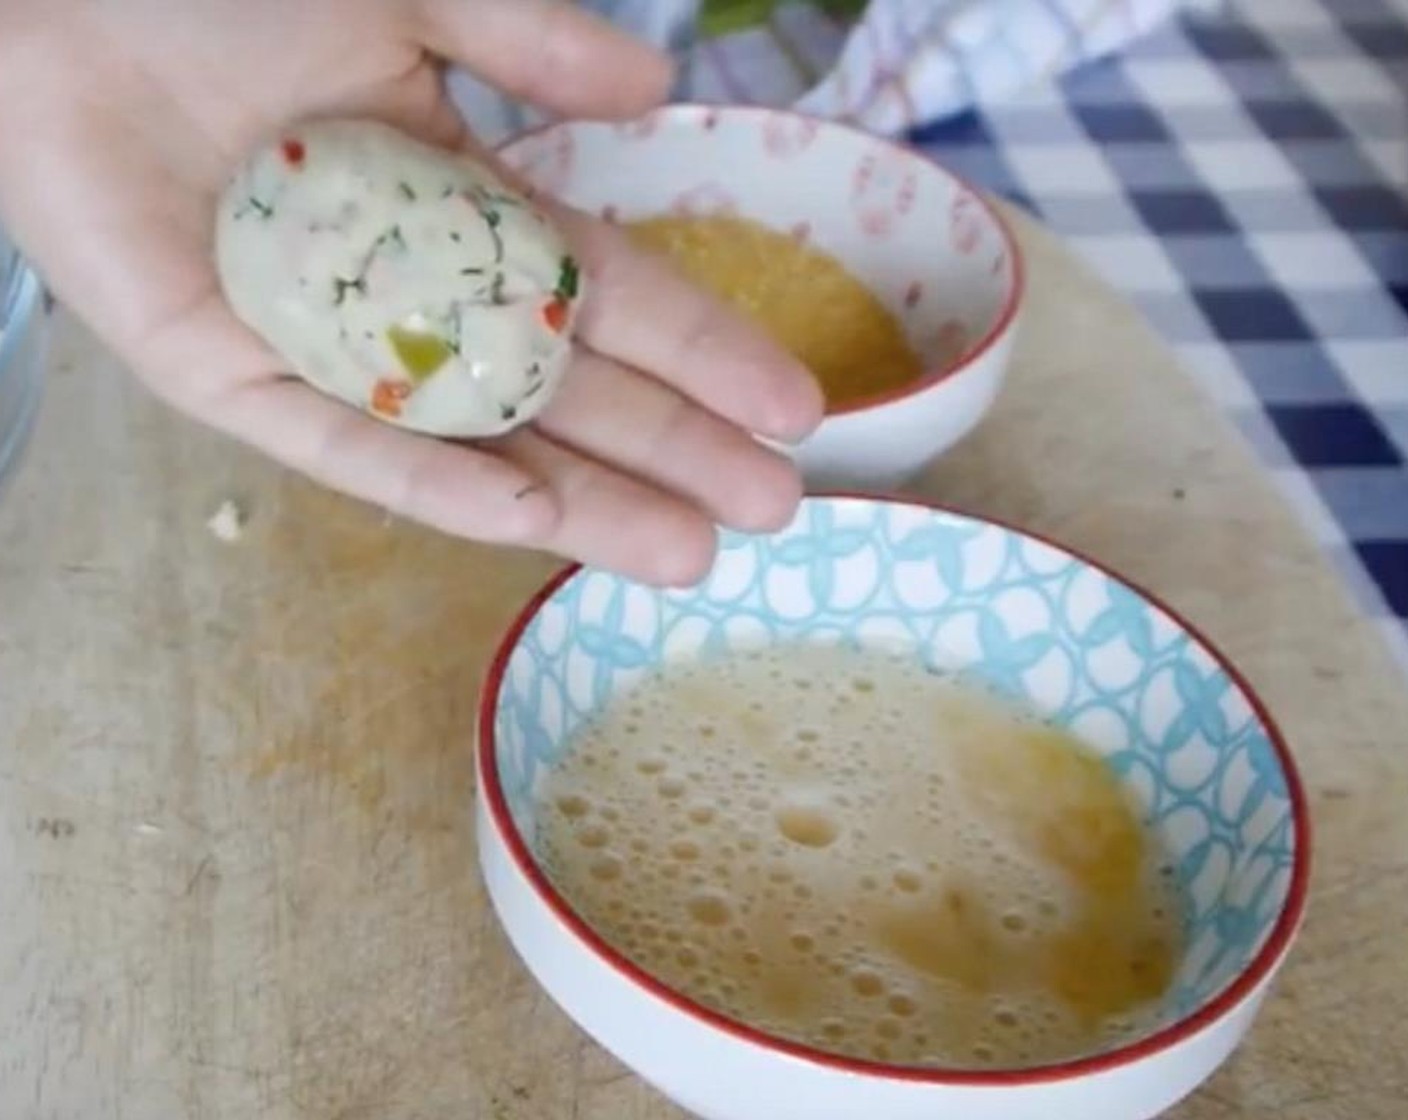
{"x":926,"y":243}
{"x":1069,"y":638}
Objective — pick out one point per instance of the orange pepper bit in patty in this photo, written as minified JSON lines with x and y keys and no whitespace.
{"x":293,"y":152}
{"x":569,"y":279}
{"x":555,"y":314}
{"x":387,"y":395}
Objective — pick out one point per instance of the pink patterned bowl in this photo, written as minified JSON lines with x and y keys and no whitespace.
{"x":926,"y":243}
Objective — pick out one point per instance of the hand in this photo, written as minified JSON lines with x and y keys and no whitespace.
{"x":124,"y":118}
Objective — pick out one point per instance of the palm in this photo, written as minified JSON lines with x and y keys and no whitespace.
{"x":627,"y":469}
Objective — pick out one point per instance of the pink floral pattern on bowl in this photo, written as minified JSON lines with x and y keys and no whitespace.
{"x":642,"y":128}
{"x":786,"y":136}
{"x":923,"y":241}
{"x":882,"y":192}
{"x":929,"y":247}
{"x":702,"y":201}
{"x":965,"y":223}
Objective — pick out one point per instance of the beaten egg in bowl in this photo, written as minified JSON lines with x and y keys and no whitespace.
{"x":801,"y":295}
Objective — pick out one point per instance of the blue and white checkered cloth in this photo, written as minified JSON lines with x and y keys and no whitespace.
{"x":1243,"y":178}
{"x":1239,"y":170}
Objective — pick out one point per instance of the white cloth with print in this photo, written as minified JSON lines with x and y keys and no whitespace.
{"x":903,"y":62}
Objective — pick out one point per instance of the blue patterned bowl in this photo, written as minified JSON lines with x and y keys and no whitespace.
{"x":1054,"y":630}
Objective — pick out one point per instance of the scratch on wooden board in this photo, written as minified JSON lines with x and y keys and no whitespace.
{"x":67,"y":880}
{"x":200,"y":870}
{"x":503,"y":1108}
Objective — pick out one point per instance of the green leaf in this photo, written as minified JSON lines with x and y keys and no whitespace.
{"x":722,"y":17}
{"x":569,"y":279}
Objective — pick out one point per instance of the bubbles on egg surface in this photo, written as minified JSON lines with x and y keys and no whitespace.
{"x":807,"y":825}
{"x":907,"y":880}
{"x":778,"y":851}
{"x":606,"y":868}
{"x":594,"y":836}
{"x":702,"y":814}
{"x":686,"y":851}
{"x":710,"y":908}
{"x":573,"y":806}
{"x":902,"y":1005}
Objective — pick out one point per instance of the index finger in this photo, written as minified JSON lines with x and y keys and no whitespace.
{"x":643,"y":313}
{"x":555,"y":55}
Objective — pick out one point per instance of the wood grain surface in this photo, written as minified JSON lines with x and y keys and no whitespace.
{"x":237,"y":869}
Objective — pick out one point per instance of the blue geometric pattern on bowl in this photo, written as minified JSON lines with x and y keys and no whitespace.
{"x":968,"y":597}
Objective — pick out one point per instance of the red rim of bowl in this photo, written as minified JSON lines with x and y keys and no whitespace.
{"x":1257,"y":970}
{"x":1012,"y":300}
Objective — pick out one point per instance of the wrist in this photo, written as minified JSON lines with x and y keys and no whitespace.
{"x":29,"y":61}
{"x":32,"y":38}
{"x":30,"y":31}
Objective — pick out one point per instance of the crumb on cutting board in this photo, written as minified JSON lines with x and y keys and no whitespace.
{"x":227,"y":522}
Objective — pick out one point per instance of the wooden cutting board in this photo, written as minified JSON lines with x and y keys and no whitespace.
{"x":237,"y":873}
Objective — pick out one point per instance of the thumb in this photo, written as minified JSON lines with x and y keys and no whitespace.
{"x":547,"y":52}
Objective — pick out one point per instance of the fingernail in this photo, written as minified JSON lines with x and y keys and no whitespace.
{"x":787,"y":432}
{"x":799,"y":414}
{"x":685,"y":563}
